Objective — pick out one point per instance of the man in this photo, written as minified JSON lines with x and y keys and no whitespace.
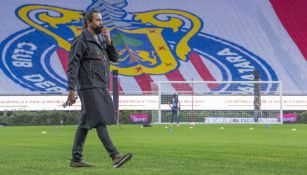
{"x":88,"y":71}
{"x":175,"y":106}
{"x":257,"y":100}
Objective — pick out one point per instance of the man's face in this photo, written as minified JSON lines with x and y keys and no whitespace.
{"x":97,"y":20}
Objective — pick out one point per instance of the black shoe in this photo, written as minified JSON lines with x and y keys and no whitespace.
{"x":119,"y":160}
{"x":80,"y":164}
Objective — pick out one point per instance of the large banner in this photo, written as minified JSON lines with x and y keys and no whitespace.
{"x":208,"y":40}
{"x":145,"y":102}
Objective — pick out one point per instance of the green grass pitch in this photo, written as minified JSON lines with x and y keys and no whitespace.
{"x":204,"y":149}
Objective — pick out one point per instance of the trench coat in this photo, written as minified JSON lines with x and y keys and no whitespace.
{"x":88,"y":73}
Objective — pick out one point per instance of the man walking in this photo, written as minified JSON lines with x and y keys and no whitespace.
{"x":257,"y":98}
{"x":175,"y":106}
{"x":88,"y":71}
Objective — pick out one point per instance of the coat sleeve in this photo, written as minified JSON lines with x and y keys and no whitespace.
{"x":75,"y":56}
{"x":112,"y":53}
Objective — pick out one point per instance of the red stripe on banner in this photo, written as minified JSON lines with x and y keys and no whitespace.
{"x":63,"y":57}
{"x":202,"y":69}
{"x":177,"y":76}
{"x":293,"y":16}
{"x":120,"y":89}
{"x":144,"y":82}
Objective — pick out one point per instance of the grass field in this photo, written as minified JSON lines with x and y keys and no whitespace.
{"x":205,"y":149}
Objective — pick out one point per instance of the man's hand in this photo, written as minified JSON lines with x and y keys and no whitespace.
{"x":106,"y":33}
{"x":71,"y":98}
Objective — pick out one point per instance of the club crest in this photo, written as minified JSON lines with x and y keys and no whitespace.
{"x":154,"y":42}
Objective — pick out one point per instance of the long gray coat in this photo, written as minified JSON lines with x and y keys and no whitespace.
{"x":88,"y":71}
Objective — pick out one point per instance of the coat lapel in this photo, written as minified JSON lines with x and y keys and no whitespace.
{"x":90,"y":38}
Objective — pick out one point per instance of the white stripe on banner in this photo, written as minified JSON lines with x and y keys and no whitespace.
{"x":166,"y":87}
{"x":189,"y":73}
{"x":129,"y":85}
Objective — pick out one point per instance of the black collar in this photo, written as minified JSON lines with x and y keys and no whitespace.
{"x":90,"y":38}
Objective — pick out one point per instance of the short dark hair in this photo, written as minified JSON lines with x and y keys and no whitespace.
{"x":88,"y":16}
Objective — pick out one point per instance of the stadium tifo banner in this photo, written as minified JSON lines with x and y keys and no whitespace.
{"x":167,"y":40}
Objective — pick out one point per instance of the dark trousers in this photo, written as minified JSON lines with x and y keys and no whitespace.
{"x":175,"y":116}
{"x":256,"y":114}
{"x":80,"y":137}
